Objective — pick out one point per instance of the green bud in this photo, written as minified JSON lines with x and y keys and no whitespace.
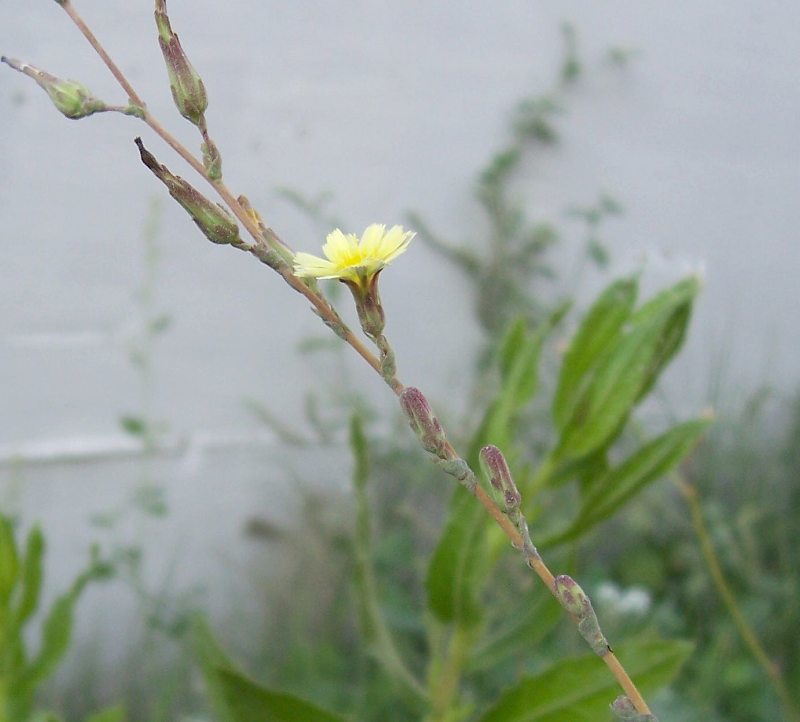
{"x":216,"y":223}
{"x":187,"y":87}
{"x":577,"y":603}
{"x":623,"y":709}
{"x":73,"y":99}
{"x":423,"y":422}
{"x":212,"y":160}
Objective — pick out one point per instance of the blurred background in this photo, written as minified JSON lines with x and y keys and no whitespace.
{"x":173,"y":402}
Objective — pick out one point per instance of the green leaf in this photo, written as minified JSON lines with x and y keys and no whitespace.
{"x":519,"y":636}
{"x":133,"y":425}
{"x":458,"y":563}
{"x":31,"y":576}
{"x":111,"y":714}
{"x":627,"y":371}
{"x":249,"y":702}
{"x":211,"y":659}
{"x":612,"y":491}
{"x":598,"y":331}
{"x":9,"y":560}
{"x":582,"y":688}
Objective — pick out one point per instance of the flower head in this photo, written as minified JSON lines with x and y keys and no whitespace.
{"x":352,"y":259}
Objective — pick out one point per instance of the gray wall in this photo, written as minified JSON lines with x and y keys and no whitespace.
{"x":392,"y":106}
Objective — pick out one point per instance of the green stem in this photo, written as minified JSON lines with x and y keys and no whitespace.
{"x":446,"y":676}
{"x":746,"y":631}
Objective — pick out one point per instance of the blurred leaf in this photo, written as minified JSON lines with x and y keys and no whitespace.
{"x":600,"y":328}
{"x":56,"y":635}
{"x":159,"y":324}
{"x":134,"y":425}
{"x":249,"y":702}
{"x":628,"y":370}
{"x":582,"y":688}
{"x":212,"y":659}
{"x":9,"y":560}
{"x":111,"y":714}
{"x":458,"y":562}
{"x":519,"y":636}
{"x":612,"y":491}
{"x":31,"y":577}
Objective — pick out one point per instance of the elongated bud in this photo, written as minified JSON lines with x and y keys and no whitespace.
{"x":577,"y":603}
{"x":423,"y":422}
{"x":623,"y":709}
{"x":186,"y":84}
{"x":212,"y":160}
{"x":496,"y":469}
{"x":216,"y":223}
{"x":73,"y":99}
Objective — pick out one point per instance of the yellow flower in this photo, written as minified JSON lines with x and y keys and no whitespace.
{"x":354,"y":260}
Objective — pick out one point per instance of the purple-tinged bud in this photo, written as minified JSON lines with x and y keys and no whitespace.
{"x":71,"y":98}
{"x":623,"y":709}
{"x":423,"y":422}
{"x":577,"y":603}
{"x":216,"y":223}
{"x":186,"y":84}
{"x":496,"y":469}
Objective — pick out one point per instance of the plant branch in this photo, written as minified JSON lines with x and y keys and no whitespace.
{"x":265,"y":237}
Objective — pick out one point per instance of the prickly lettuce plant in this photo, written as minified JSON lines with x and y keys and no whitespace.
{"x":505,"y":492}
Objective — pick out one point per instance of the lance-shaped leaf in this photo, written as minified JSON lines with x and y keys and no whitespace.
{"x":30,"y":577}
{"x":582,"y":688}
{"x":611,"y":492}
{"x":9,"y":560}
{"x":600,"y":328}
{"x":627,"y":371}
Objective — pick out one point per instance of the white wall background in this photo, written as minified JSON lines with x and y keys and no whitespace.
{"x":392,"y":106}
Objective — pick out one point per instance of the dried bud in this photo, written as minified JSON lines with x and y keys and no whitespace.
{"x":424,"y":424}
{"x":623,"y":709}
{"x":217,"y":224}
{"x":577,"y":603}
{"x":73,"y":99}
{"x":496,"y":469}
{"x":187,"y":87}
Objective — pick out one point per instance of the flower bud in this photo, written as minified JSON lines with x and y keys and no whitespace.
{"x":73,"y":99}
{"x":212,"y":160}
{"x":216,"y":223}
{"x":496,"y":469}
{"x":577,"y":603}
{"x":187,"y":87}
{"x":424,"y":424}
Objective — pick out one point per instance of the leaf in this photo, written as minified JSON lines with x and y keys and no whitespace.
{"x":133,"y":425}
{"x":211,"y":659}
{"x":628,"y":371}
{"x":649,"y":463}
{"x":599,"y":329}
{"x":9,"y":560}
{"x":581,"y":689}
{"x":249,"y":702}
{"x":31,"y":577}
{"x":521,"y":634}
{"x":110,"y":714}
{"x":457,"y":563}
